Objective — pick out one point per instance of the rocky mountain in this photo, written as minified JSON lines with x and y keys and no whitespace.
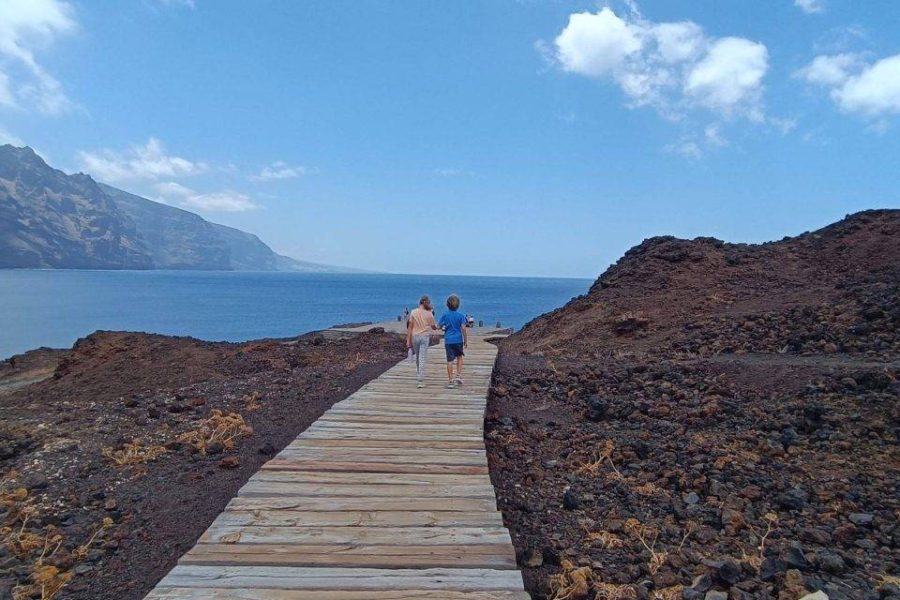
{"x":711,"y":420}
{"x":49,"y":219}
{"x":52,"y":220}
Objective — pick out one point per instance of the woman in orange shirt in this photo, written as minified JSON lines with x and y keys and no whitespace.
{"x":418,"y":335}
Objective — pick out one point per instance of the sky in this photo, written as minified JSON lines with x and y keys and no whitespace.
{"x":502,"y":137}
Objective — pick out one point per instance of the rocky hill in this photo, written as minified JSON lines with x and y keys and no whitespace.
{"x":711,"y":420}
{"x":52,"y":220}
{"x":831,"y":290}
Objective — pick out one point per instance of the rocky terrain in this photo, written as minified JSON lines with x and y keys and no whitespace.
{"x":711,"y":420}
{"x":49,"y":219}
{"x":117,"y":454}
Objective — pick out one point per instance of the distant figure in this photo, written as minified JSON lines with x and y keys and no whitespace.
{"x":456,"y":339}
{"x":405,"y":313}
{"x":418,"y":335}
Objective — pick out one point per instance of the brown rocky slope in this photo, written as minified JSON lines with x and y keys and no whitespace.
{"x":711,"y":421}
{"x":112,"y":467}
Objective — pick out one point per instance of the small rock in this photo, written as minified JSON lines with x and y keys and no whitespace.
{"x":570,"y":500}
{"x":714,"y":595}
{"x":36,"y":481}
{"x":533,"y":558}
{"x":729,"y":572}
{"x":215,"y":448}
{"x":820,"y":595}
{"x":702,"y":583}
{"x":110,"y":504}
{"x":794,"y":499}
{"x":861,"y":518}
{"x":831,"y":563}
{"x":230,"y":462}
{"x":691,"y":498}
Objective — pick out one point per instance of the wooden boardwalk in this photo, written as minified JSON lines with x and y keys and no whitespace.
{"x":385,"y":497}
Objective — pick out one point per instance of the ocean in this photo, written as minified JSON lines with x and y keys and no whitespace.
{"x":55,"y":308}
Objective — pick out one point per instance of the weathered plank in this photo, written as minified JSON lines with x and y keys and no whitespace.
{"x":386,"y":497}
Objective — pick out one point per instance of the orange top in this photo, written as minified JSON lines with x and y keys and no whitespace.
{"x":421,"y":321}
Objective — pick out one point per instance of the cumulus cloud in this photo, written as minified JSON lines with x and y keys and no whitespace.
{"x":672,"y":66}
{"x":147,"y":162}
{"x":225,"y":201}
{"x":27,"y":26}
{"x":869,"y":89}
{"x":810,"y":7}
{"x":281,"y":170}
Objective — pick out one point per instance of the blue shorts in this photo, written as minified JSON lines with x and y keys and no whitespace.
{"x":454,"y":351}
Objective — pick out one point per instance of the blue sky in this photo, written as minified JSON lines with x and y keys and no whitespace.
{"x":499,"y":137}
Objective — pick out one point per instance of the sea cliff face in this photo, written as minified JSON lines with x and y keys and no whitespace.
{"x":51,"y":220}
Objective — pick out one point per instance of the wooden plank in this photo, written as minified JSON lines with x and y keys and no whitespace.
{"x":372,"y":467}
{"x":270,"y":594}
{"x":358,"y":518}
{"x":406,"y":443}
{"x":370,"y":478}
{"x":359,"y":503}
{"x":324,"y":578}
{"x":486,"y":556}
{"x":386,"y":497}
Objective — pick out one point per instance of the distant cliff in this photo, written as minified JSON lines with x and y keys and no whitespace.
{"x":52,"y":220}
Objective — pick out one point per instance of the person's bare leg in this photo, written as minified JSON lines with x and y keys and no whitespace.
{"x":450,"y":372}
{"x":459,"y":369}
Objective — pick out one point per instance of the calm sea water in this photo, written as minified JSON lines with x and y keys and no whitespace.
{"x":54,"y":308}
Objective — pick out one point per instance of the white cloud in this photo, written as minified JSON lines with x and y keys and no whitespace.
{"x":785,"y":125}
{"x":686,"y":148}
{"x":225,"y":201}
{"x":729,"y":78}
{"x":8,"y":138}
{"x":714,"y":137}
{"x":810,"y":7}
{"x":25,"y":27}
{"x":872,"y":90}
{"x":875,"y":91}
{"x":671,"y":66}
{"x":448,"y":172}
{"x":830,"y":70}
{"x":148,"y":162}
{"x":281,"y":170}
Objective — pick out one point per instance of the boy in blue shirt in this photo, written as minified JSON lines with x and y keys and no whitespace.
{"x":456,"y":338}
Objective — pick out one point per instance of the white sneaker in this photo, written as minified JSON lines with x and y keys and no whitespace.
{"x":450,"y":385}
{"x":458,"y":382}
{"x":420,"y":384}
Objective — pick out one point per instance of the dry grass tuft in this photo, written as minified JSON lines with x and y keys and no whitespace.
{"x":571,"y":583}
{"x":611,"y":591}
{"x":674,"y":592}
{"x":219,"y":427}
{"x":133,"y":453}
{"x":601,"y":455}
{"x":82,"y":551}
{"x":608,"y":540}
{"x":252,"y":401}
{"x":647,"y":535}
